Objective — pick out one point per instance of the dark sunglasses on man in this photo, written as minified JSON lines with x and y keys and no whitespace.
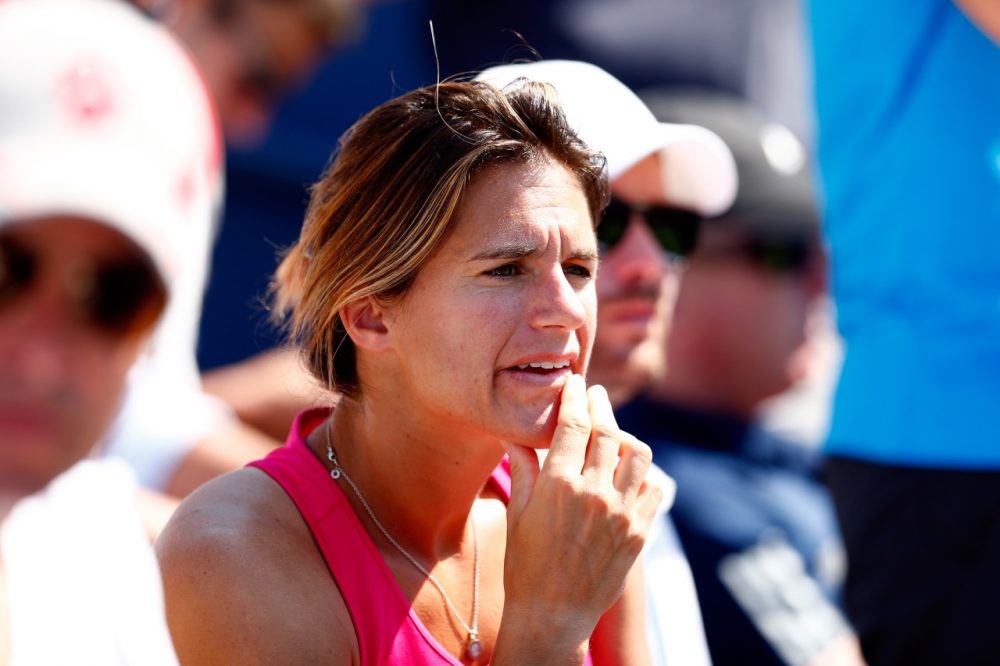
{"x":676,"y":229}
{"x":114,"y":297}
{"x":776,"y":254}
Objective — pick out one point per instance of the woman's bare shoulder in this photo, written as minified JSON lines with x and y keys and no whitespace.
{"x":243,"y":512}
{"x":244,"y":581}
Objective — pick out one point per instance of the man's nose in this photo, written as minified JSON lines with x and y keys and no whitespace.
{"x":38,"y":333}
{"x":638,"y":257}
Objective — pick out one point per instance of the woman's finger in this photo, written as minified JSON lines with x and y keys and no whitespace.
{"x":647,"y":507}
{"x":605,"y":438}
{"x":569,"y":442}
{"x":634,"y":462}
{"x":523,"y":472}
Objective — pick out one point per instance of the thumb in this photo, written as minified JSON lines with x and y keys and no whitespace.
{"x":523,"y":472}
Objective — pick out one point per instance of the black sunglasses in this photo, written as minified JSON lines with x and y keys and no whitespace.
{"x":774,"y":254}
{"x":676,"y":229}
{"x":262,"y":82}
{"x":114,"y":297}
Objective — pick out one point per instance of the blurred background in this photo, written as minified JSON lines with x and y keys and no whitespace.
{"x":752,"y":48}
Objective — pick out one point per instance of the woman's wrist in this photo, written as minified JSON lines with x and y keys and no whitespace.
{"x":540,"y":650}
{"x":537,"y":638}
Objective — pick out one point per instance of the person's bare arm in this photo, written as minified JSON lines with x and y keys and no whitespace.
{"x":267,"y":391}
{"x":229,"y":448}
{"x":843,"y":651}
{"x":985,"y":14}
{"x":244,"y":583}
{"x":155,"y":510}
{"x":620,"y":637}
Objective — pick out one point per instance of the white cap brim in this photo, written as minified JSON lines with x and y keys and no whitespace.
{"x":42,"y":177}
{"x":697,"y":169}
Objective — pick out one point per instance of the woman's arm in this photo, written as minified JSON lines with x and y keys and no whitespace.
{"x":242,"y":584}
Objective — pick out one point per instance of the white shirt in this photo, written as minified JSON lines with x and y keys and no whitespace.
{"x":83,"y":583}
{"x":673,"y":617}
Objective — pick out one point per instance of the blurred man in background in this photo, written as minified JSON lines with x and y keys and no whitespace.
{"x":753,"y":517}
{"x":106,"y":159}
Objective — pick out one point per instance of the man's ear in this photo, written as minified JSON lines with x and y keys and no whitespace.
{"x":365,"y":322}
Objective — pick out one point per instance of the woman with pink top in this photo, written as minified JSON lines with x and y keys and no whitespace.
{"x":443,"y":286}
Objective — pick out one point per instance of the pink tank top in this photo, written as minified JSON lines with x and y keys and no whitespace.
{"x":387,"y":627}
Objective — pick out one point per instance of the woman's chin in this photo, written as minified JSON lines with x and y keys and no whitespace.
{"x":537,"y":431}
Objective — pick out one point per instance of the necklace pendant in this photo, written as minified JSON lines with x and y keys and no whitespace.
{"x":335,"y":473}
{"x":474,"y":649}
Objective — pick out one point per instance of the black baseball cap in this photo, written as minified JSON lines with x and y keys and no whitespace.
{"x":775,"y":197}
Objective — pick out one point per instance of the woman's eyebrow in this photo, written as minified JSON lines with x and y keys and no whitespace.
{"x":513,"y":250}
{"x":586,"y":255}
{"x":518,"y":250}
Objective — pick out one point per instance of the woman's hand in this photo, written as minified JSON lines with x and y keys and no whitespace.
{"x":574,"y":529}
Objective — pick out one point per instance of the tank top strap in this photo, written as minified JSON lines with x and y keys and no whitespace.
{"x":381,"y":615}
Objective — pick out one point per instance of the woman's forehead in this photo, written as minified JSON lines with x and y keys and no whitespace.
{"x":518,"y":202}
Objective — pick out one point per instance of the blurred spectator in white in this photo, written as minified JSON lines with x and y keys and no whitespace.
{"x":250,"y":52}
{"x":106,"y":160}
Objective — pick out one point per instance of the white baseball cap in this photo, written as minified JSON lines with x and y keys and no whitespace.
{"x":697,"y":169}
{"x":103,"y":115}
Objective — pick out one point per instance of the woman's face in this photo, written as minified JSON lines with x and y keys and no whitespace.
{"x":504,"y":312}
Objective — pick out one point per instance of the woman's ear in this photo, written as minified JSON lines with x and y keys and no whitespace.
{"x":364,"y":321}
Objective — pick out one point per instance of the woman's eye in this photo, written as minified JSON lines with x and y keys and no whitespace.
{"x":505,"y":271}
{"x":577,"y":270}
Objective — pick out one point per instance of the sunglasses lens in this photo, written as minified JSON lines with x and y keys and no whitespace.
{"x":262,"y":84}
{"x":614,"y":221}
{"x":675,"y":229}
{"x":17,"y":269}
{"x":114,"y":297}
{"x":785,"y":256}
{"x":126,"y":297}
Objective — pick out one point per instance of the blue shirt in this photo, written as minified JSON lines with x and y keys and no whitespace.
{"x":758,"y":528}
{"x":908,"y":103}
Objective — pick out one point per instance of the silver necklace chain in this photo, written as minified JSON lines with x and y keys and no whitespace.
{"x":473,"y":647}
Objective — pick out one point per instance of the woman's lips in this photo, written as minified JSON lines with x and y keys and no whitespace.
{"x":539,"y":376}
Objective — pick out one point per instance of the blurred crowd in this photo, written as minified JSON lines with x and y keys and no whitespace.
{"x":797,"y":312}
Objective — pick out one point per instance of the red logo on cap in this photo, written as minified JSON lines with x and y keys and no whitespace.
{"x":186,"y":190}
{"x":85,"y":93}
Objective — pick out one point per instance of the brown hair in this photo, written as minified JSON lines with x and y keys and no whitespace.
{"x":387,"y":202}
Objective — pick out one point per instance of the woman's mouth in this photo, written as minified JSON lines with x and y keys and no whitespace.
{"x":546,"y":374}
{"x":543,"y":366}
